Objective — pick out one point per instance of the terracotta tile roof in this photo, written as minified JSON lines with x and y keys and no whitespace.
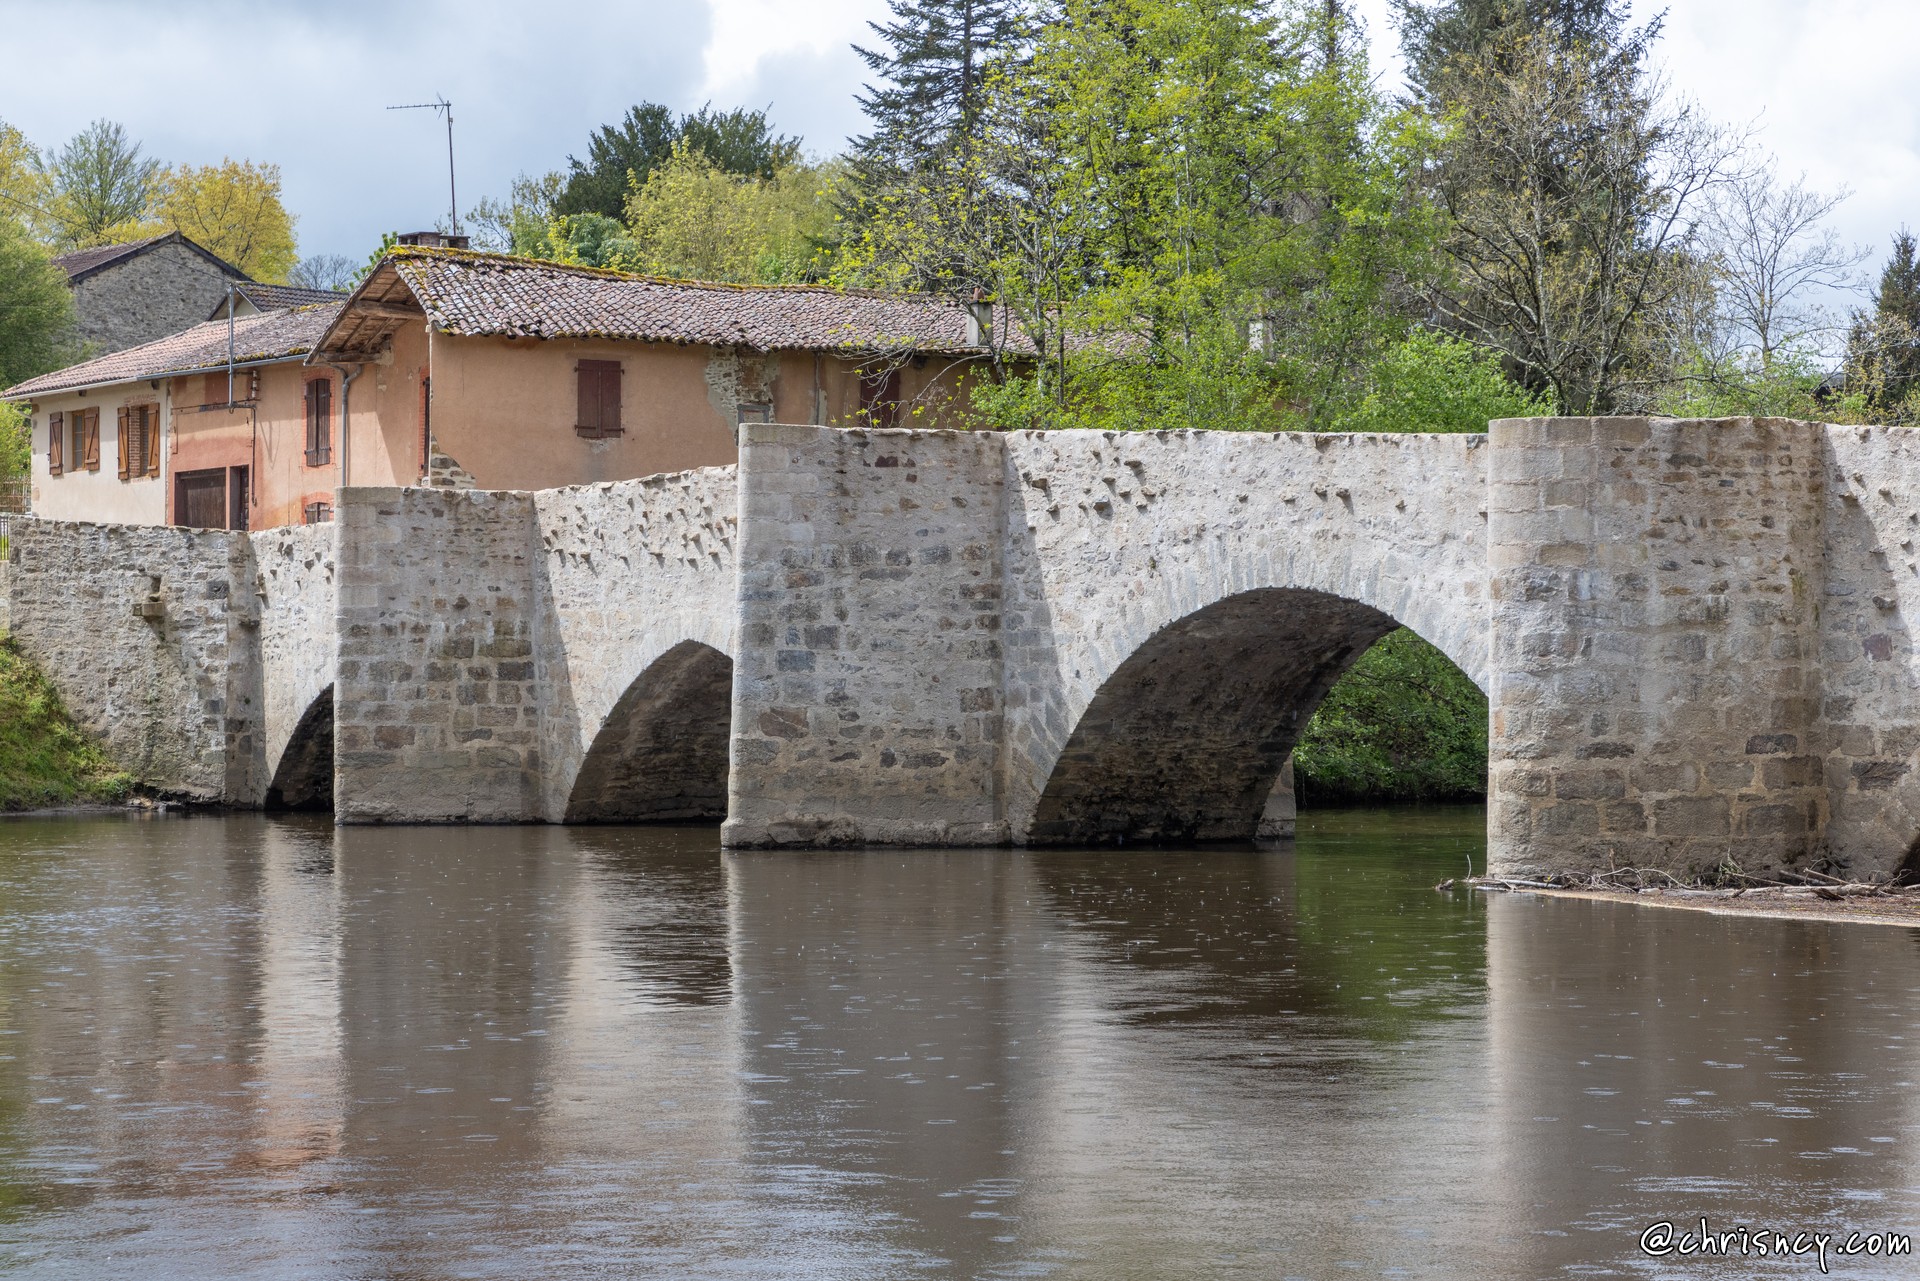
{"x":271,"y":335}
{"x":82,"y":263}
{"x":473,"y":294}
{"x":279,"y":297}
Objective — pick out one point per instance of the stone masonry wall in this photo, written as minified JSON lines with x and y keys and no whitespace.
{"x":436,"y":702}
{"x":172,"y":690}
{"x":1112,"y":537}
{"x":627,"y":571}
{"x":294,"y":581}
{"x":867,"y":690}
{"x":1656,"y":644}
{"x":908,"y":598}
{"x":147,"y":296}
{"x":1869,"y":664}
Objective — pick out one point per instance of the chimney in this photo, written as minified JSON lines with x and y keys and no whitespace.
{"x":435,"y":240}
{"x":979,"y":320}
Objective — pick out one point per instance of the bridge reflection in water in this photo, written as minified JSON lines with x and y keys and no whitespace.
{"x":247,"y":1046}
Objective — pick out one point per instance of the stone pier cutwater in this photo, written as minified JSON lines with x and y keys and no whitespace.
{"x":1692,"y":634}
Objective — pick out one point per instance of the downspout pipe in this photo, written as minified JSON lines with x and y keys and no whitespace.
{"x":347,"y":374}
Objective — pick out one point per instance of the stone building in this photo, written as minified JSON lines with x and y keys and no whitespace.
{"x":459,"y":370}
{"x":130,"y":294}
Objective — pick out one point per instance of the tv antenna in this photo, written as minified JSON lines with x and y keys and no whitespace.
{"x":442,"y":106}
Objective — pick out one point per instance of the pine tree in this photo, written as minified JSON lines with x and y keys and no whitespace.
{"x":933,"y":68}
{"x":738,"y":141}
{"x":1885,"y":346}
{"x":1435,"y":36}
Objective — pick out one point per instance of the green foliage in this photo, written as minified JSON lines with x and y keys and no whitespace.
{"x":1792,"y":385}
{"x":933,"y":61}
{"x":1189,"y":218}
{"x":44,"y":758}
{"x":738,"y":141}
{"x":695,"y":220}
{"x":16,"y":457}
{"x":589,"y":240}
{"x":36,"y":308}
{"x":1884,"y":345}
{"x":519,"y":224}
{"x":99,"y":188}
{"x":1403,"y":724}
{"x":1435,"y":382}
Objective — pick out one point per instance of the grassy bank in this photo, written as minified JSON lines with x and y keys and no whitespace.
{"x":1404,"y":724}
{"x":45,"y":759}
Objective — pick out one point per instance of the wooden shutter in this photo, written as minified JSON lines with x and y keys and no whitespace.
{"x":56,"y":443}
{"x":319,"y":422}
{"x":599,"y":399}
{"x":123,"y":434}
{"x":90,"y":442}
{"x":153,"y":440}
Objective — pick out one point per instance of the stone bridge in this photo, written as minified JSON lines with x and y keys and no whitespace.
{"x":1693,"y":637}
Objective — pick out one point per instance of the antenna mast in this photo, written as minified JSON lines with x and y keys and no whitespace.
{"x":442,"y":106}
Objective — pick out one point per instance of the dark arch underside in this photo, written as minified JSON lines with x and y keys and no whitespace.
{"x":1184,"y":741}
{"x":661,"y":756}
{"x":304,"y":780}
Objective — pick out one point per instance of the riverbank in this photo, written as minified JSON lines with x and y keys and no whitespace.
{"x":46,"y":761}
{"x":1830,"y":900}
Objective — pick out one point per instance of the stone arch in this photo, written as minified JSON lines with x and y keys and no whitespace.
{"x":303,"y":780}
{"x":661,"y":753}
{"x":1183,"y":740}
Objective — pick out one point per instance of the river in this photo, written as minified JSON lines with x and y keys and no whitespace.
{"x":254,"y":1047}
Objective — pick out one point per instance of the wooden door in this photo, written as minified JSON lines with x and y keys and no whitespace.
{"x":200,"y":499}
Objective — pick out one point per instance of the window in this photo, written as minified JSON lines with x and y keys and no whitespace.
{"x":56,"y":443}
{"x":880,"y":396}
{"x":86,"y":439}
{"x":139,"y":437}
{"x":318,"y":513}
{"x":753,"y":411}
{"x":319,"y":422}
{"x":599,"y":415}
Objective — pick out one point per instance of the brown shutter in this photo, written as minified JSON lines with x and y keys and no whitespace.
{"x":323,"y":419}
{"x":599,"y":398}
{"x":56,"y":443}
{"x":124,"y":436}
{"x":90,"y":428}
{"x":153,"y":440}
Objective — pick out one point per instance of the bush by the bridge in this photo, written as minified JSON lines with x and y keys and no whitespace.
{"x":45,"y":759}
{"x":1404,"y":724}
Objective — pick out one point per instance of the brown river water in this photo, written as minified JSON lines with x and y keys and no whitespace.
{"x":247,"y":1047}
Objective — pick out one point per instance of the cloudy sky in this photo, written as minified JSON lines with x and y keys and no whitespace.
{"x":1829,"y":82}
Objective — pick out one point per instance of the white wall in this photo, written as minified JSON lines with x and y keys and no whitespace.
{"x":100,"y":496}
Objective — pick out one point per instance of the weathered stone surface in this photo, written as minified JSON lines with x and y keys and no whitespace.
{"x":1693,"y":635}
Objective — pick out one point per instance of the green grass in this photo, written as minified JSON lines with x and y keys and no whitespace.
{"x":45,"y":759}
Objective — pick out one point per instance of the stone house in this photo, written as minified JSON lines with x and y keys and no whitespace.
{"x":455,"y":368}
{"x":127,"y":295}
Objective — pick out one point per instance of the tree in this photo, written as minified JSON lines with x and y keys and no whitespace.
{"x":1770,"y":254}
{"x":1435,"y":382}
{"x":325,"y":271}
{"x":20,"y":176}
{"x":693,"y":219}
{"x":36,"y":308}
{"x":1574,"y":194}
{"x":99,"y":188}
{"x":518,"y":225}
{"x":232,"y":209}
{"x":1437,"y":36}
{"x":738,"y":141}
{"x":1190,"y":214}
{"x":933,"y":66}
{"x":1884,"y":345}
